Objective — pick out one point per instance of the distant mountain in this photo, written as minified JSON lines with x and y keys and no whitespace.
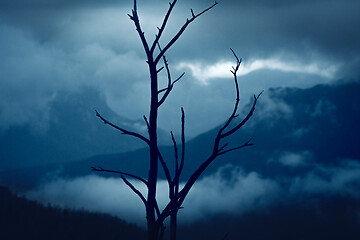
{"x":291,"y":126}
{"x":293,"y":129}
{"x":71,"y":132}
{"x":24,"y":219}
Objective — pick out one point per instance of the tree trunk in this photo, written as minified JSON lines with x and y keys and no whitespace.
{"x":153,"y":228}
{"x":173,"y":225}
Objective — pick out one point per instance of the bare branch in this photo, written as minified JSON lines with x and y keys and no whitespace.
{"x":100,"y":169}
{"x":157,"y":208}
{"x":160,"y":69}
{"x":193,"y":178}
{"x":168,"y":89}
{"x":173,"y":205}
{"x":180,"y":32}
{"x":178,"y":79}
{"x":216,"y":150}
{"x":167,"y":174}
{"x":248,"y":116}
{"x":178,"y":172}
{"x":222,"y":148}
{"x":161,"y":29}
{"x":132,"y":187}
{"x":176,"y":154}
{"x":124,"y":131}
{"x":237,"y":100}
{"x":170,"y":83}
{"x":246,"y":144}
{"x":182,"y":141}
{"x":192,"y":13}
{"x":135,"y":18}
{"x":238,"y":61}
{"x":162,"y":90}
{"x":147,"y":123}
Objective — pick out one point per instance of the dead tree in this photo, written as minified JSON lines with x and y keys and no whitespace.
{"x":155,"y":54}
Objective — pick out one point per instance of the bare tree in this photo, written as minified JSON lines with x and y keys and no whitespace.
{"x":155,"y":54}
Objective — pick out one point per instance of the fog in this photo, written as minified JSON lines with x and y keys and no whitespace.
{"x":229,"y":191}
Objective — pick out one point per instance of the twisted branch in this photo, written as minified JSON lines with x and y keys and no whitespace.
{"x":217,"y":150}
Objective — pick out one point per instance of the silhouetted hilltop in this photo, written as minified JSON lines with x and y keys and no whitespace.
{"x":24,"y":219}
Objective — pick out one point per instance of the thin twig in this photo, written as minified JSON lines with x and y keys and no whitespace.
{"x":170,"y":83}
{"x":147,"y":123}
{"x":176,"y":153}
{"x":167,"y":174}
{"x":248,"y":116}
{"x":246,"y":144}
{"x":179,"y":171}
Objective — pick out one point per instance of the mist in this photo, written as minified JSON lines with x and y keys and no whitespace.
{"x":229,"y":191}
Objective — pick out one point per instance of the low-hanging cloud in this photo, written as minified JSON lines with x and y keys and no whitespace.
{"x":343,"y":180}
{"x":229,"y":191}
{"x":295,"y":159}
{"x":207,"y":72}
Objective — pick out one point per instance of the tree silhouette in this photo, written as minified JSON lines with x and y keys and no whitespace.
{"x":155,"y":54}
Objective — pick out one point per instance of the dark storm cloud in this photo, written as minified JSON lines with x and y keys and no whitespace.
{"x":52,"y":3}
{"x":84,"y":42}
{"x":305,"y":30}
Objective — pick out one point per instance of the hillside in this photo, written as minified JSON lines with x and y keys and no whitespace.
{"x":24,"y":219}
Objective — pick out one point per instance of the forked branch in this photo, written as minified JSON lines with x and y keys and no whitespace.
{"x":179,"y":168}
{"x":131,"y":186}
{"x":135,"y":18}
{"x":217,"y":150}
{"x":180,"y":32}
{"x":170,"y":82}
{"x":161,"y":29}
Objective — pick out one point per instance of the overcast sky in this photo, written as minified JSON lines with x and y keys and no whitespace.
{"x":48,"y":46}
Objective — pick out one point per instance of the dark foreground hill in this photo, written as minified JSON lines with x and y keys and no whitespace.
{"x":24,"y":219}
{"x":317,"y":218}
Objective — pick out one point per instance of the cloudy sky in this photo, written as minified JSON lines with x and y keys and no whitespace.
{"x":61,"y":45}
{"x":52,"y":47}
